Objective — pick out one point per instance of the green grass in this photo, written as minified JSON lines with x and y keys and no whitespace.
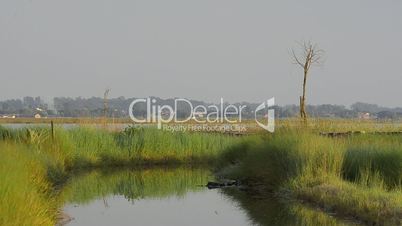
{"x":88,"y":146}
{"x":25,"y":193}
{"x":358,"y":176}
{"x":364,"y":183}
{"x":268,"y":210}
{"x":146,"y":145}
{"x":372,"y":205}
{"x":34,"y":166}
{"x":374,"y":159}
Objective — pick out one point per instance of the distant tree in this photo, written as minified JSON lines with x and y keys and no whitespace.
{"x":308,"y":54}
{"x":29,"y":102}
{"x":365,"y":107}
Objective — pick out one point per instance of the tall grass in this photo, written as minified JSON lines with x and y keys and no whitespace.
{"x":268,"y":210}
{"x":139,"y":145}
{"x":274,"y":159}
{"x":25,"y":194}
{"x":374,"y":159}
{"x":331,"y":172}
{"x":88,"y":146}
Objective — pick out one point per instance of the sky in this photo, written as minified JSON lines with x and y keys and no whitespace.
{"x":204,"y":50}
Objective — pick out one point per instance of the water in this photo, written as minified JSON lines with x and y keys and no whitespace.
{"x":115,"y":126}
{"x":165,"y":196}
{"x":34,"y":125}
{"x":195,"y":208}
{"x":62,"y":125}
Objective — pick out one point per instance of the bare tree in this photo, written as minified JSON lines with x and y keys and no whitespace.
{"x":308,"y":54}
{"x":105,"y":104}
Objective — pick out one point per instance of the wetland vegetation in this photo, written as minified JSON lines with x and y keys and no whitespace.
{"x":356,"y":177}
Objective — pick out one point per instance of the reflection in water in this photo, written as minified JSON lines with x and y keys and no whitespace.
{"x":195,"y":208}
{"x":270,"y":211}
{"x":134,"y":184}
{"x":148,"y":197}
{"x":164,"y":196}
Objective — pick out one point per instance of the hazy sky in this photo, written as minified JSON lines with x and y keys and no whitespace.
{"x":204,"y":49}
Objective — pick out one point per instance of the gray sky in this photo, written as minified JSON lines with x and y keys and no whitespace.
{"x":204,"y":49}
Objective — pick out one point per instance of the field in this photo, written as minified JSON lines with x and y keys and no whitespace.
{"x":356,"y":176}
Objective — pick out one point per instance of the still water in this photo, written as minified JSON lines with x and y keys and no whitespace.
{"x":117,"y":126}
{"x":165,"y":196}
{"x":195,"y":208}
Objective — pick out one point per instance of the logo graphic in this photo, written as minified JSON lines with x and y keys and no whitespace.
{"x":214,"y":117}
{"x":270,"y":115}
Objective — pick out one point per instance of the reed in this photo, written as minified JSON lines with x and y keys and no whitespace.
{"x":358,"y":175}
{"x":25,"y":194}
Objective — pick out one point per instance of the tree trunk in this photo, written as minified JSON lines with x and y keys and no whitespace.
{"x":301,"y":107}
{"x":303,"y":113}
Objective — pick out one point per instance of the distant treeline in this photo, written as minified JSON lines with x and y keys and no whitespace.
{"x":118,"y":107}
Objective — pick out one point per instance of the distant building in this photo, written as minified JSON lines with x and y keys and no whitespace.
{"x":364,"y":115}
{"x":8,"y":116}
{"x":37,"y":116}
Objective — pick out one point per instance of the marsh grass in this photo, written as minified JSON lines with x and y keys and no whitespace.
{"x":359,"y":176}
{"x":374,"y":160}
{"x":34,"y":166}
{"x":372,"y":205}
{"x":25,"y":194}
{"x":88,"y":146}
{"x":269,"y":210}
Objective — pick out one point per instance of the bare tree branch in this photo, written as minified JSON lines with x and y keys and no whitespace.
{"x":296,"y":59}
{"x":309,"y":55}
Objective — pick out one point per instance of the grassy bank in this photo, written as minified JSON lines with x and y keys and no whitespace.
{"x":35,"y":163}
{"x":88,"y":146}
{"x":25,"y":192}
{"x":358,"y":176}
{"x":268,"y":210}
